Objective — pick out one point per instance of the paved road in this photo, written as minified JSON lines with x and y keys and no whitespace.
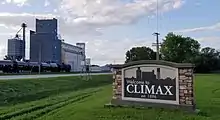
{"x":12,"y":77}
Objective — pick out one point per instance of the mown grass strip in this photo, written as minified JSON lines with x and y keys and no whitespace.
{"x":39,"y":107}
{"x":80,"y":109}
{"x":50,"y":100}
{"x":41,"y":112}
{"x":20,"y":91}
{"x":92,"y":108}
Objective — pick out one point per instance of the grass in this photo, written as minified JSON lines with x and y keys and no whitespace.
{"x":19,"y":91}
{"x":70,"y":98}
{"x":36,"y":73}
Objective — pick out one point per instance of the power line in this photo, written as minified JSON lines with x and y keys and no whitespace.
{"x":157,"y":17}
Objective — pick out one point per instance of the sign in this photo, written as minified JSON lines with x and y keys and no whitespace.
{"x":150,"y":83}
{"x":154,"y":83}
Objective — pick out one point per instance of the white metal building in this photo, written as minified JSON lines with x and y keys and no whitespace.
{"x":95,"y":68}
{"x":73,"y":55}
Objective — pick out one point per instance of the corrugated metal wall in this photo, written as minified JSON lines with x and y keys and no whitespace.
{"x":16,"y":47}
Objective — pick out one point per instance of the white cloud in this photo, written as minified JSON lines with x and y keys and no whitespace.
{"x":3,"y":50}
{"x":210,"y":41}
{"x":205,"y":28}
{"x":108,"y":12}
{"x":46,"y":3}
{"x":198,"y":4}
{"x":13,"y":21}
{"x":178,"y":4}
{"x":55,"y":10}
{"x":108,"y":51}
{"x":88,"y":15}
{"x":17,"y":2}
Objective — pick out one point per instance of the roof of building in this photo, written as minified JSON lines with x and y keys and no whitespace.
{"x":71,"y":45}
{"x":46,"y":18}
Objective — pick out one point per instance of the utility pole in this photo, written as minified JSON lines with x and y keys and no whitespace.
{"x":39,"y":67}
{"x":157,"y":44}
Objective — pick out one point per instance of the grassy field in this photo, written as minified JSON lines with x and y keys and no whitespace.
{"x":70,"y":98}
{"x":36,"y":73}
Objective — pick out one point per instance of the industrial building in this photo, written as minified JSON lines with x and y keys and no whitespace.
{"x":73,"y":55}
{"x":16,"y":46}
{"x":44,"y":43}
{"x":45,"y":46}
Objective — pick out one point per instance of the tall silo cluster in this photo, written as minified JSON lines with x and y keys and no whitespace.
{"x":16,"y":46}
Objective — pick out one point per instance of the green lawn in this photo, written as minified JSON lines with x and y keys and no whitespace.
{"x":20,"y":91}
{"x":70,"y":98}
{"x":36,"y":73}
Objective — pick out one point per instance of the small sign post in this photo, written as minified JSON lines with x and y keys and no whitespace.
{"x":85,"y":69}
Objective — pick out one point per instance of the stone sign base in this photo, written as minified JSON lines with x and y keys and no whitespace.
{"x":130,"y":104}
{"x":150,"y":105}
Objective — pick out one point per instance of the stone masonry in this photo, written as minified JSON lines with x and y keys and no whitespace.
{"x":186,"y":92}
{"x":117,"y":82}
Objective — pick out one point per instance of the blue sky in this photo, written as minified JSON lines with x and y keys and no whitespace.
{"x":111,"y":27}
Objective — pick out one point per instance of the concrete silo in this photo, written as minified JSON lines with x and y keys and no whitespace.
{"x":16,"y":46}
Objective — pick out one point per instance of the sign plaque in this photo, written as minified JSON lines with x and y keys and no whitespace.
{"x":152,"y":83}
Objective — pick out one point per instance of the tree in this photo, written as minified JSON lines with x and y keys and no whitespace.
{"x":208,"y":60}
{"x":176,"y":48}
{"x":140,"y":53}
